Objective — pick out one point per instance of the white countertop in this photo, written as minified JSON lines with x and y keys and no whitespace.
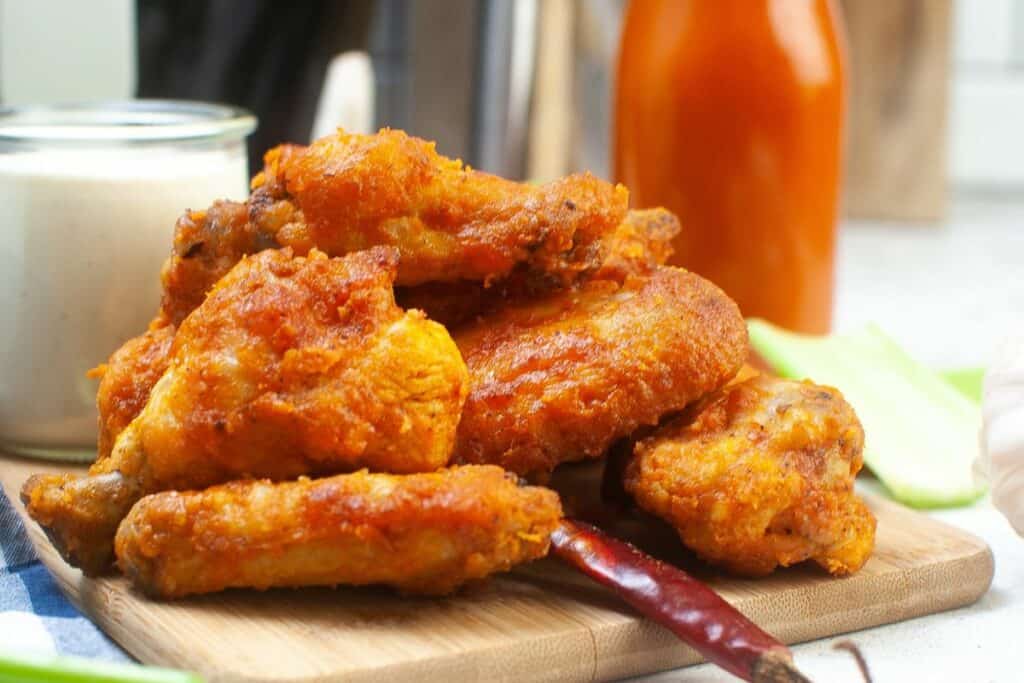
{"x":948,"y":293}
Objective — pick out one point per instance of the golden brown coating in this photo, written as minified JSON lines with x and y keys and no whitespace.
{"x":640,"y":243}
{"x":347,"y":192}
{"x":126,"y":380}
{"x":290,"y":366}
{"x":559,"y":379}
{"x":80,"y":514}
{"x":759,"y":475}
{"x":421,"y":533}
{"x":455,"y":228}
{"x":207,"y":244}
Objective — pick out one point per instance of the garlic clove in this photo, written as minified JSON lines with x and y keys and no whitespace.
{"x":1002,"y":435}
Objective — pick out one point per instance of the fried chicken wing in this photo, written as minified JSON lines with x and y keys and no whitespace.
{"x":126,"y":380}
{"x":759,"y":475}
{"x":640,"y":243}
{"x":345,"y":193}
{"x":421,"y":533}
{"x":561,"y":378}
{"x":291,"y":366}
{"x":348,"y":192}
{"x":207,"y":244}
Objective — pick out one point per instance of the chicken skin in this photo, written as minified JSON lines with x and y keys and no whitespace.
{"x":561,"y":378}
{"x":348,"y":192}
{"x":760,"y":475}
{"x":207,"y":244}
{"x":291,"y":366}
{"x":640,"y":243}
{"x":421,"y":533}
{"x":126,"y":380}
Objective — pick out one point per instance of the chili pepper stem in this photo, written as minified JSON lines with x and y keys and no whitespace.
{"x":777,"y":667}
{"x":858,"y":656}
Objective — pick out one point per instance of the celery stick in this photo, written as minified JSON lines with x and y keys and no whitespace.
{"x":921,"y":433}
{"x":24,"y":668}
{"x":967,"y":381}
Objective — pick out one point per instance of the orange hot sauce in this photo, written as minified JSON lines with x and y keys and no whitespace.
{"x":730,"y":113}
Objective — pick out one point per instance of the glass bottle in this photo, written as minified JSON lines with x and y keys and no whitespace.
{"x":730,"y":113}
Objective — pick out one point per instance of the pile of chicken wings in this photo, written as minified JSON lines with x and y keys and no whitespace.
{"x":367,"y":372}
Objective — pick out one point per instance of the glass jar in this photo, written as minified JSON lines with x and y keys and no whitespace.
{"x":89,"y":195}
{"x":730,"y":114}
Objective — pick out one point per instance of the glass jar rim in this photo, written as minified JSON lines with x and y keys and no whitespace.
{"x":125,"y":122}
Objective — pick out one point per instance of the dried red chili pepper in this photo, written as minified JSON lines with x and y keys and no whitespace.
{"x":677,"y":601}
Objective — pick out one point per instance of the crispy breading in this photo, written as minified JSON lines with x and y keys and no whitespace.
{"x":449,"y":223}
{"x":126,"y":380}
{"x":348,"y":192}
{"x":560,"y":378}
{"x":207,"y":244}
{"x":290,"y":366}
{"x":640,"y":243}
{"x":759,"y":475}
{"x":420,"y":533}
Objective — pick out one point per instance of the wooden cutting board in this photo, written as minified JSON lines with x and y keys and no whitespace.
{"x":539,"y":623}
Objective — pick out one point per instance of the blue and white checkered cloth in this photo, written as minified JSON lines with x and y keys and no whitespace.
{"x":35,"y":617}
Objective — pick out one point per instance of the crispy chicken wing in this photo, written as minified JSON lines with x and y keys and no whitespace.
{"x":126,"y":380}
{"x":348,"y":192}
{"x":291,"y":366}
{"x":421,"y":533}
{"x":758,"y":475}
{"x":560,"y":378}
{"x":207,"y":244}
{"x":640,"y":243}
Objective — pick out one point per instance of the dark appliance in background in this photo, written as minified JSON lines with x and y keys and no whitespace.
{"x":459,"y":71}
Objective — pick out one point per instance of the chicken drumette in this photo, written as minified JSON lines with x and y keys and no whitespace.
{"x":562,"y":377}
{"x":760,"y":474}
{"x":422,"y":533}
{"x":347,"y":192}
{"x":291,"y":366}
{"x":350,"y":192}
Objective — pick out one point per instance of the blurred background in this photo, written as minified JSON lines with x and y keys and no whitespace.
{"x":931,"y":174}
{"x":538,"y":74}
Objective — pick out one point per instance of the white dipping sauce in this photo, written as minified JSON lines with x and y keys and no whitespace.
{"x":84,"y":231}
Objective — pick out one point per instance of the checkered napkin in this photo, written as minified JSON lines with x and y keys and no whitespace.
{"x":35,"y":617}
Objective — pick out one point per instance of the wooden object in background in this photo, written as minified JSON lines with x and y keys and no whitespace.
{"x":550,"y":131}
{"x":442,"y":55}
{"x":899,"y":65}
{"x":540,"y":623}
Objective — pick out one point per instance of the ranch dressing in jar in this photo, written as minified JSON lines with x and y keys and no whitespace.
{"x":88,"y":200}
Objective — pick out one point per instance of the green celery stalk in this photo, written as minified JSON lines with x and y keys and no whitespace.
{"x":921,"y":433}
{"x":968,"y":381}
{"x":23,"y":668}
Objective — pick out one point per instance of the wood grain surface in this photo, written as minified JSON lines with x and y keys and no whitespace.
{"x":899,"y":72}
{"x":539,"y":623}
